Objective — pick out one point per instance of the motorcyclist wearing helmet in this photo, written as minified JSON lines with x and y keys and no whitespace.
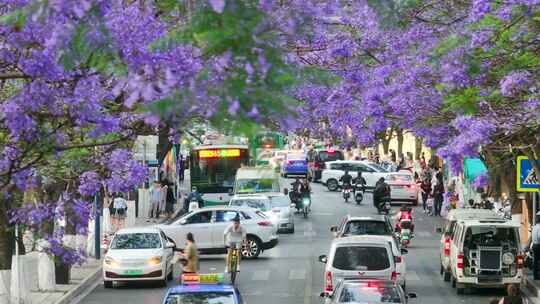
{"x":193,"y":195}
{"x":405,"y":212}
{"x":381,"y":191}
{"x":346,"y":180}
{"x":360,"y":182}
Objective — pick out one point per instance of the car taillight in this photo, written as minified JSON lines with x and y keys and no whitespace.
{"x":264,"y":223}
{"x":412,"y":186}
{"x":394,"y":275}
{"x":329,"y":287}
{"x":289,"y":162}
{"x":520,"y":262}
{"x":447,"y":246}
{"x":460,"y":261}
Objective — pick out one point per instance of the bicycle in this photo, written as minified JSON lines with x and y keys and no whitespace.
{"x":234,"y":261}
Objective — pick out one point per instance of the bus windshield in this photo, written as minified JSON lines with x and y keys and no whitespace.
{"x":213,"y":169}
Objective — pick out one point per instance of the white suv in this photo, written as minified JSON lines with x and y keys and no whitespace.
{"x":276,"y":206}
{"x":485,"y":254}
{"x":449,"y":228}
{"x":208,"y":225}
{"x":363,"y":257}
{"x":334,"y":170}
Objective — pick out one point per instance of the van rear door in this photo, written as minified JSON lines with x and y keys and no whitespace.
{"x":362,"y":261}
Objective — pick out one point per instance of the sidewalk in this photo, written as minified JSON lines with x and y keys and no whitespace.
{"x":530,"y":287}
{"x":82,"y":279}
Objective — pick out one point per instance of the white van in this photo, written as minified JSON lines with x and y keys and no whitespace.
{"x":485,"y":253}
{"x":252,"y":180}
{"x":362,"y":257}
{"x":448,"y":229}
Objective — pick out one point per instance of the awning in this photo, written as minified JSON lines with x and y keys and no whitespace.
{"x":472,"y":168}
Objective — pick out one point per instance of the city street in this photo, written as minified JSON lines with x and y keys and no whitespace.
{"x":290,"y":273}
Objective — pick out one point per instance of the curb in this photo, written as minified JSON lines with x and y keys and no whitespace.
{"x":80,"y":288}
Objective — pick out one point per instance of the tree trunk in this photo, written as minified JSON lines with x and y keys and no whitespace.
{"x":399,"y":134}
{"x":385,"y":145}
{"x":418,"y":141}
{"x":6,"y":235}
{"x":433,"y":161}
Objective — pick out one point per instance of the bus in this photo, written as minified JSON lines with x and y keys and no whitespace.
{"x":213,"y":167}
{"x":264,"y":144}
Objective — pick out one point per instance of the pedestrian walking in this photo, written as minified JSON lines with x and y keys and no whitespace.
{"x":425,"y":189}
{"x":163,"y":197}
{"x":155,"y":199}
{"x":535,"y":239}
{"x":120,"y":210}
{"x":190,"y":256}
{"x":438,"y":193}
{"x":169,"y":199}
{"x":107,"y":206}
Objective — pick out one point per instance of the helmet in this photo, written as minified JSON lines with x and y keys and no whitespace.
{"x":194,"y":189}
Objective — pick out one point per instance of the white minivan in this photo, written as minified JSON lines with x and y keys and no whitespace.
{"x":362,"y":257}
{"x":486,"y":254}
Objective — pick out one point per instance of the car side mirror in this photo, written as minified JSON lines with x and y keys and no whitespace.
{"x":438,"y":229}
{"x":286,"y":191}
{"x":170,"y":245}
{"x":411,"y":295}
{"x":323,"y":259}
{"x":333,"y":229}
{"x":404,"y":251}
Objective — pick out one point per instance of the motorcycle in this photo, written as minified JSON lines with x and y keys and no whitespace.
{"x":358,"y":194}
{"x":384,"y":206}
{"x":405,"y":232}
{"x":346,"y":192}
{"x":306,"y":203}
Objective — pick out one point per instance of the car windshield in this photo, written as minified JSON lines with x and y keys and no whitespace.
{"x":136,"y":241}
{"x":370,"y":294}
{"x":259,"y":204}
{"x":366,"y":227}
{"x":490,"y":236}
{"x":256,"y":185}
{"x":361,"y":258}
{"x":201,"y":298}
{"x":279,"y":201}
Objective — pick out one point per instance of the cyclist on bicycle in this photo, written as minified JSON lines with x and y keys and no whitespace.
{"x":234,"y":234}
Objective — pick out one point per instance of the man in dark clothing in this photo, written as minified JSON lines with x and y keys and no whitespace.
{"x":438,"y":192}
{"x":346,"y":179}
{"x":360,"y":181}
{"x":381,"y":191}
{"x":194,"y":195}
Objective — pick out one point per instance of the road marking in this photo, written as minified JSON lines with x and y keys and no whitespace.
{"x":412,"y":276}
{"x":297,"y":274}
{"x":322,"y":213}
{"x":260,"y":275}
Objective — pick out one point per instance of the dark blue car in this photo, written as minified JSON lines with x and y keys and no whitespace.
{"x":203,"y":293}
{"x":295,"y":164}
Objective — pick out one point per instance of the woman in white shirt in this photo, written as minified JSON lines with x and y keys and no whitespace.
{"x":120,"y":210}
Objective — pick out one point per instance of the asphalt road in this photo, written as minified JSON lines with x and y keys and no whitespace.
{"x":290,"y":272}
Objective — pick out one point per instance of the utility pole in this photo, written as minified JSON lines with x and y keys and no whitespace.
{"x":97,"y":226}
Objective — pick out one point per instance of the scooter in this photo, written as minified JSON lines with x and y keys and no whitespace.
{"x":358,"y":194}
{"x":405,"y":232}
{"x":384,"y":206}
{"x":306,"y":204}
{"x":346,"y":193}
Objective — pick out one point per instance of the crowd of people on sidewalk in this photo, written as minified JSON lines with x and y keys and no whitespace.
{"x":162,"y":200}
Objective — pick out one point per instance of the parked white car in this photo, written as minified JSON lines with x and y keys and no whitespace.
{"x":208,"y":225}
{"x":334,"y":170}
{"x":276,"y":206}
{"x":138,"y":254}
{"x":363,"y":257}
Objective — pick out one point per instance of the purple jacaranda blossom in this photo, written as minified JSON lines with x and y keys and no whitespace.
{"x":90,"y":183}
{"x":481,"y":181}
{"x":217,"y":5}
{"x":514,"y":82}
{"x":233,"y":108}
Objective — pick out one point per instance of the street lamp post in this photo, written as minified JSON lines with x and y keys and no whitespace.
{"x":97,"y":227}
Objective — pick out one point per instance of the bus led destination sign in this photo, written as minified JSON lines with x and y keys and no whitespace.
{"x":219,"y":153}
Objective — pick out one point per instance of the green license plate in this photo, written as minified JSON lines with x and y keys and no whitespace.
{"x":133,"y":272}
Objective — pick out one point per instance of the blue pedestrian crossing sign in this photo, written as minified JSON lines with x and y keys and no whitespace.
{"x":527,"y":178}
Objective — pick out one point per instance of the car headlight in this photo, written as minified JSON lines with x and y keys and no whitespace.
{"x":154,"y":260}
{"x":508,"y":258}
{"x":110,"y":262}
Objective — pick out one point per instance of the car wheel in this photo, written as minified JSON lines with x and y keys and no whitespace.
{"x":332,"y":184}
{"x":108,"y":284}
{"x":453,"y":280}
{"x":441,"y":270}
{"x":252,"y":249}
{"x":291,"y":230}
{"x":460,"y":290}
